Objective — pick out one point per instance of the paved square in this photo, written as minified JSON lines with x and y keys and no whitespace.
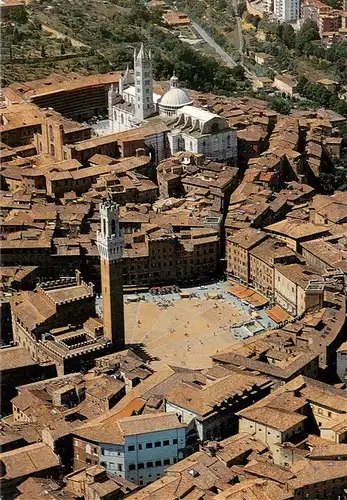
{"x":185,"y":334}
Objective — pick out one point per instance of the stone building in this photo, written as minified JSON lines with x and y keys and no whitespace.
{"x":210,"y":404}
{"x":137,"y":448}
{"x":75,"y":96}
{"x":135,"y":101}
{"x":57,"y":323}
{"x":237,"y":252}
{"x":196,"y":176}
{"x":192,"y":129}
{"x":297,"y":288}
{"x":303,"y":405}
{"x":54,"y":324}
{"x":199,"y":131}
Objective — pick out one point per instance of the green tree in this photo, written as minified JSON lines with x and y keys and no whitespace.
{"x":241,"y":7}
{"x":307,"y":33}
{"x":62,"y":48}
{"x":238,"y":72}
{"x":280,"y":105}
{"x":43,"y":51}
{"x":288,"y":36}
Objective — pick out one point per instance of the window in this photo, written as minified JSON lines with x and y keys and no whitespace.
{"x":166,"y":443}
{"x":131,"y":448}
{"x":111,"y":464}
{"x":120,"y":467}
{"x":157,"y":444}
{"x":132,"y":467}
{"x":149,"y":445}
{"x":158,"y":463}
{"x":88,"y":461}
{"x":95,"y":450}
{"x":174,"y":441}
{"x":166,"y":461}
{"x":140,"y":466}
{"x":149,"y":465}
{"x":140,"y":446}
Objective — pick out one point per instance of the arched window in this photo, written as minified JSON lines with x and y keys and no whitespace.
{"x":113,"y":226}
{"x":51,"y":136}
{"x":52,"y":150}
{"x":103,"y":226}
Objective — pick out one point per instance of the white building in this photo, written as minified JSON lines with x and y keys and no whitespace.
{"x":174,"y":99}
{"x":287,"y":10}
{"x":136,"y":100}
{"x":192,"y":129}
{"x":137,"y":448}
{"x":198,"y":131}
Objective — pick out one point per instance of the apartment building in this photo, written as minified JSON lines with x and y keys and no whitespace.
{"x":301,"y":406}
{"x":237,"y":252}
{"x":262,"y":260}
{"x":294,"y":232}
{"x":286,"y":83}
{"x":287,"y":10}
{"x":330,"y":22}
{"x":297,"y":288}
{"x":273,"y":354}
{"x":137,"y":448}
{"x":211,"y":404}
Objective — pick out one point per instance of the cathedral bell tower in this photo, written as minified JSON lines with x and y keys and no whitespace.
{"x":144,"y":106}
{"x":110,"y":244}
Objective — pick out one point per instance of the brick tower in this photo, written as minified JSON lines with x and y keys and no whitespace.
{"x":110,"y":245}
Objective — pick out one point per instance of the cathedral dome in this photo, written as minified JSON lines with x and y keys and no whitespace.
{"x":175,"y":98}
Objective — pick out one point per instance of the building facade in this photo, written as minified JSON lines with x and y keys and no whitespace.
{"x":138,"y":448}
{"x":110,"y":245}
{"x":287,"y":10}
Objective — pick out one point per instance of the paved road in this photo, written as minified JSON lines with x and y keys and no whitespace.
{"x":240,"y":34}
{"x":221,"y":52}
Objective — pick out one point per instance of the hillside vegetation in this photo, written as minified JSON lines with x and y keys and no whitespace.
{"x":110,"y":30}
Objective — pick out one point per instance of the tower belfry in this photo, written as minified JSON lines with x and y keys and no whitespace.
{"x":144,"y":106}
{"x":110,"y":244}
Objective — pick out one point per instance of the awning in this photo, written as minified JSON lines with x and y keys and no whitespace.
{"x":212,"y":295}
{"x":257,"y":300}
{"x":235,"y":290}
{"x":278,"y":314}
{"x":185,"y":295}
{"x":244,"y":293}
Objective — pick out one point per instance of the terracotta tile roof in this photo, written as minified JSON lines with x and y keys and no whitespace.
{"x":28,"y":460}
{"x":273,"y":417}
{"x":15,"y":357}
{"x":202,"y":400}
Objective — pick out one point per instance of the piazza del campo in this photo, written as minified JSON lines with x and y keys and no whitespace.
{"x":173,"y":270}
